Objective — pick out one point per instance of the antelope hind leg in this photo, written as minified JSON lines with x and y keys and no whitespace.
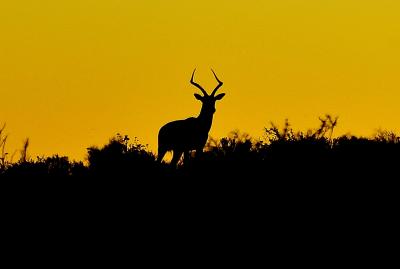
{"x":175,"y":159}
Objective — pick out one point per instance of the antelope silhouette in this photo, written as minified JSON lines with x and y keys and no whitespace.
{"x":182,"y":136}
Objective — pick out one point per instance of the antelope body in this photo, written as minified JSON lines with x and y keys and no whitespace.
{"x":182,"y":136}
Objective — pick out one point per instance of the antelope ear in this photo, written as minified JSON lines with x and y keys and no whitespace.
{"x":219,"y":96}
{"x":198,"y":97}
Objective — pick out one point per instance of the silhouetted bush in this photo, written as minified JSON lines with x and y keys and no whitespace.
{"x":283,"y":154}
{"x":120,"y":158}
{"x":49,"y":167}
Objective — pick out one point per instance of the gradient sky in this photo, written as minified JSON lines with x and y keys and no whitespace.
{"x":75,"y":72}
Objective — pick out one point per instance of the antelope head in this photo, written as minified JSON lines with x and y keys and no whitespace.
{"x":208,"y":107}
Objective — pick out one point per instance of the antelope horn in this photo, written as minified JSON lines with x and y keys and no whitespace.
{"x":219,"y":84}
{"x":197,"y":85}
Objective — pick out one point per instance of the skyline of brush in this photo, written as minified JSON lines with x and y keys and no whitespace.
{"x":74,"y":73}
{"x":285,"y":153}
{"x":326,"y":130}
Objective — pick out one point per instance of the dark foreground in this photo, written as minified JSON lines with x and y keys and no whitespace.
{"x":290,"y":191}
{"x":286,"y":167}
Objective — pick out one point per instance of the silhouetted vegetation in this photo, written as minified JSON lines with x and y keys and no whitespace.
{"x":283,"y":154}
{"x":121,"y":158}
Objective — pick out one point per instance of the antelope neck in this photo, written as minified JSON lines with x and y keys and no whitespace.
{"x":205,"y":119}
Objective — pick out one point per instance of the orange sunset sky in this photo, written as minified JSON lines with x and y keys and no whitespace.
{"x":73,"y":73}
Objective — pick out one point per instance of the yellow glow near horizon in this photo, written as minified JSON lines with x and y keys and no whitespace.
{"x":73,"y":73}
